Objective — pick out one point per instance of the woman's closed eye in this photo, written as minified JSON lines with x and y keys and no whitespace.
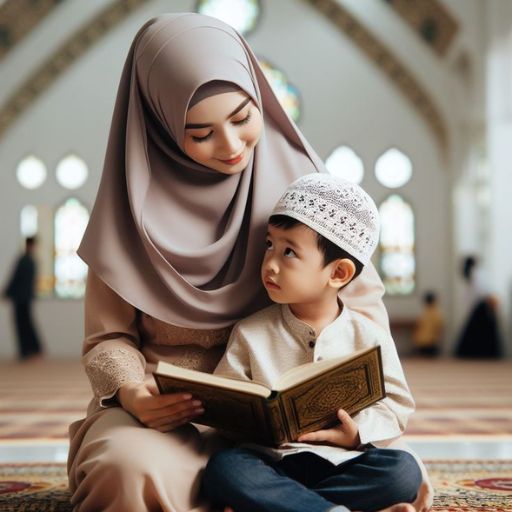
{"x":245,"y":120}
{"x":202,"y":139}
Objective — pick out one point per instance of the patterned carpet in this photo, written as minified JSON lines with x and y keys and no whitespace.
{"x":460,"y":487}
{"x":453,"y":398}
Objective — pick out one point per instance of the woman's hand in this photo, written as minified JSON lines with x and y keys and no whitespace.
{"x":346,"y":434}
{"x":161,"y":412}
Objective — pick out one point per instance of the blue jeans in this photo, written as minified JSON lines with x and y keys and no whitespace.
{"x":251,"y":482}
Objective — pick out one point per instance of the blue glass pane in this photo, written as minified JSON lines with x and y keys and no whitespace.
{"x":287,"y":94}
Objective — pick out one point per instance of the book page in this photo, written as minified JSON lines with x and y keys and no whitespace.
{"x":169,"y":370}
{"x":307,"y":371}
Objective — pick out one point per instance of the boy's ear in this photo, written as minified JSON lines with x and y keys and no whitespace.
{"x":342,"y":273}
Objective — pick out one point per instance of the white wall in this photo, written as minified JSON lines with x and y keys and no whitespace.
{"x":499,"y":119}
{"x":346,"y":100}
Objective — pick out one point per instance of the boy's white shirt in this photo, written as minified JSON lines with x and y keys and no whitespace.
{"x":266,"y":344}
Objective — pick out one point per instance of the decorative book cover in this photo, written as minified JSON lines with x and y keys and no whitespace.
{"x":305,"y":399}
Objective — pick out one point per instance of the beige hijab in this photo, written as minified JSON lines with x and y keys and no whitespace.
{"x":175,"y":239}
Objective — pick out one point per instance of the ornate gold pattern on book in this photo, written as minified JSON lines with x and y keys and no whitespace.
{"x":347,"y":389}
{"x":312,"y":406}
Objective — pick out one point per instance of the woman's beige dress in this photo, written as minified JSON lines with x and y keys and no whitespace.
{"x":115,"y":463}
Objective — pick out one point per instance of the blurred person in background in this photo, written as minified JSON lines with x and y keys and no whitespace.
{"x":428,"y":332}
{"x":480,"y":336}
{"x":20,"y":291}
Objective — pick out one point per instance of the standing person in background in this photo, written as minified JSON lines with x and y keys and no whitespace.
{"x":20,"y":290}
{"x":429,"y":327}
{"x":480,"y":336}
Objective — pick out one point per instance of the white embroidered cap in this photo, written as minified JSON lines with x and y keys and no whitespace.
{"x":338,"y":209}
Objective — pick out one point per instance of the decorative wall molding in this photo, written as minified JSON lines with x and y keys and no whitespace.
{"x":63,"y":58}
{"x":18,"y":18}
{"x":389,"y":64}
{"x":432,"y":21}
{"x":106,"y":20}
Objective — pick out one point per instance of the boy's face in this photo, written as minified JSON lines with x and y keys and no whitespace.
{"x":293,"y":269}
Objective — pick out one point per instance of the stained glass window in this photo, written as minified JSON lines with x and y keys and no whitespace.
{"x":242,"y":15}
{"x":287,"y":94}
{"x":71,"y":172}
{"x":70,"y":271}
{"x":393,"y":169}
{"x":345,"y":163}
{"x":31,"y":172}
{"x":397,"y":260}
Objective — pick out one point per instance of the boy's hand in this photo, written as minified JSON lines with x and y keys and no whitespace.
{"x":425,"y":497}
{"x":345,"y":435}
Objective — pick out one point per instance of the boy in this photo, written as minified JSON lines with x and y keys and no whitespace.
{"x":320,"y":234}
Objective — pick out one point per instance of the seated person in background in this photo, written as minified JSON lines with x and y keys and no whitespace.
{"x":320,"y":234}
{"x":429,"y":327}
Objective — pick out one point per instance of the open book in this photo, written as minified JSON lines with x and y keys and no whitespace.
{"x":305,"y":398}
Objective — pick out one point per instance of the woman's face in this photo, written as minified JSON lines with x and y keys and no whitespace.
{"x":222,"y":130}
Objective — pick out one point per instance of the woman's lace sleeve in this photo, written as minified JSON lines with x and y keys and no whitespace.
{"x":111,"y":349}
{"x":110,"y":369}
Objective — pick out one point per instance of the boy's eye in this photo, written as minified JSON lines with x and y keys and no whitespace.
{"x":268,"y":243}
{"x":202,"y":139}
{"x":289,"y":253}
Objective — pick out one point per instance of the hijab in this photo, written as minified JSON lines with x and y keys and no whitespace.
{"x":177,"y":240}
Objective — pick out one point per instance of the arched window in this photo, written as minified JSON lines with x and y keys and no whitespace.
{"x":345,"y":163}
{"x":38,"y":221}
{"x":242,"y":15}
{"x":287,"y":94}
{"x":28,"y":220}
{"x":397,"y":260}
{"x":71,"y":172}
{"x":70,"y":271}
{"x":393,"y":169}
{"x":31,"y":172}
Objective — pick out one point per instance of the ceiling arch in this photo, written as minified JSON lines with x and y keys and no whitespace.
{"x":70,"y":51}
{"x":431,"y":20}
{"x":18,"y":18}
{"x":43,"y":77}
{"x":389,"y":64}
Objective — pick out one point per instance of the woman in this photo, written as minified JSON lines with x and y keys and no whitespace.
{"x":480,"y":337}
{"x":199,"y":151}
